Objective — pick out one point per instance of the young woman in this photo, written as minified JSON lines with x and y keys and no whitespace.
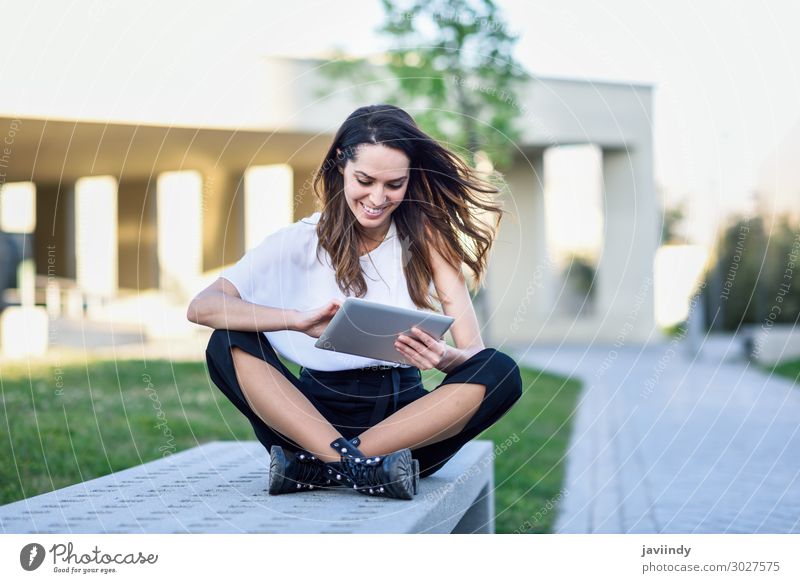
{"x":396,"y":226}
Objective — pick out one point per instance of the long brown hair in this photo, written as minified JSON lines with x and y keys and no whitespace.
{"x":441,"y":199}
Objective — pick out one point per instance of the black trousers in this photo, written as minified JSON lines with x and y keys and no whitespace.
{"x":356,"y":399}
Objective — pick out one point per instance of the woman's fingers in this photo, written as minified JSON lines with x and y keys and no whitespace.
{"x":418,"y":350}
{"x":403,"y":345}
{"x":420,"y":340}
{"x":415,"y":357}
{"x":411,"y":344}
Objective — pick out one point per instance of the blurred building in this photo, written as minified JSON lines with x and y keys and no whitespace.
{"x":124,"y":216}
{"x":779,"y":178}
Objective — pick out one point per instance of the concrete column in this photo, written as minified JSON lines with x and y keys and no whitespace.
{"x":23,"y":328}
{"x":544,"y":280}
{"x":268,"y":201}
{"x":625,"y":270}
{"x":96,"y":236}
{"x":18,"y":207}
{"x":521,"y":273}
{"x":179,"y":201}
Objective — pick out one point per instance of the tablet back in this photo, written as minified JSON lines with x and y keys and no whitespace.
{"x":369,"y":329}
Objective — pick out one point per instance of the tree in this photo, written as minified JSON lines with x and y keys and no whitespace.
{"x":671,"y":223}
{"x":753,"y":276}
{"x":580,"y":273}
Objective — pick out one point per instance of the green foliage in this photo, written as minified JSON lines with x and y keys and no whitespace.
{"x":671,"y":222}
{"x":754,"y":273}
{"x":675,"y":330}
{"x":452,"y":66}
{"x":580,"y":273}
{"x":789,"y":369}
{"x":529,"y":475}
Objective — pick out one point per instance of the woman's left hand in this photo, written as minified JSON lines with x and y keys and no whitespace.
{"x":422,"y":349}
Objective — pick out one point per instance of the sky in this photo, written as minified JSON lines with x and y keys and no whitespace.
{"x":725,"y":74}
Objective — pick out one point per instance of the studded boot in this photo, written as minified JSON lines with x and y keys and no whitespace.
{"x":390,"y":476}
{"x":295,"y":472}
{"x":415,"y":462}
{"x":301,"y":471}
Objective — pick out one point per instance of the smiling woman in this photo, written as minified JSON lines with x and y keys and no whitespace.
{"x":383,"y":161}
{"x":374,"y":187}
{"x":397,"y":222}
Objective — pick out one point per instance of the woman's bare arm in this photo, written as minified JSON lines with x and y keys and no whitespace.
{"x":220,"y":306}
{"x":451,"y":287}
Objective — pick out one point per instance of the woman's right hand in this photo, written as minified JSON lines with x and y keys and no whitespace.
{"x":313,"y":322}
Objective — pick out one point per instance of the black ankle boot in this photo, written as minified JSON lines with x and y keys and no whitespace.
{"x":301,"y":471}
{"x":415,"y":462}
{"x":295,"y":472}
{"x":391,"y":475}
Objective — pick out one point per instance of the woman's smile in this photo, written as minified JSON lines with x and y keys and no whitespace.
{"x":372,"y":212}
{"x":374,"y":185}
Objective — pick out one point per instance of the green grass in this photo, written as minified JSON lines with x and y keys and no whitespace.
{"x":789,"y":369}
{"x":61,"y":426}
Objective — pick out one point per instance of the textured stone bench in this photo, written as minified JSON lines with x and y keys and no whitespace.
{"x":220,"y":487}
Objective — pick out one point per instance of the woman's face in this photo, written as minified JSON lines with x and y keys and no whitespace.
{"x":376,"y":179}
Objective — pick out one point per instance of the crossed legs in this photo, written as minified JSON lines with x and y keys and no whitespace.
{"x":282,"y":406}
{"x":433,"y":417}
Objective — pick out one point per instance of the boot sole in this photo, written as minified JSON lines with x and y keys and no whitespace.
{"x":277,"y":467}
{"x":416,"y":476}
{"x":401,"y":476}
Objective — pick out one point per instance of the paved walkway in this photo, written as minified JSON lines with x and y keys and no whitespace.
{"x":76,"y":341}
{"x":664,"y":442}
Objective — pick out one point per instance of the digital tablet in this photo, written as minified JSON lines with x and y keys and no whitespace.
{"x":369,"y":329}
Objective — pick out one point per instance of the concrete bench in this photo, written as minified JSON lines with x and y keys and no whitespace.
{"x":220,"y":487}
